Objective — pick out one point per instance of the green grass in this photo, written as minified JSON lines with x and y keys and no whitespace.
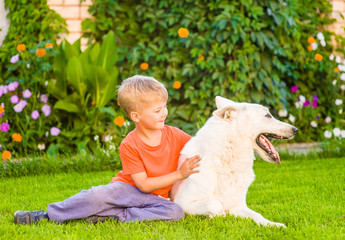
{"x":306,"y":195}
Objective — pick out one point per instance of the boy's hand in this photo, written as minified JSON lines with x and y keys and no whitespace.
{"x":188,"y":166}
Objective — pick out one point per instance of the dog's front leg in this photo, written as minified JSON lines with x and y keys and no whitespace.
{"x":244,"y":211}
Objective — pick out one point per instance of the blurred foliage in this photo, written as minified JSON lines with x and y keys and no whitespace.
{"x":84,"y":90}
{"x":247,"y":50}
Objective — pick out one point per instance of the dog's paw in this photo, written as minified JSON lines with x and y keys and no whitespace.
{"x":276,"y":224}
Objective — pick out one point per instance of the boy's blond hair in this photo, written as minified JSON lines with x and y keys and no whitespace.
{"x":136,"y":90}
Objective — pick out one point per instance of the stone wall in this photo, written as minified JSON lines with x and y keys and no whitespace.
{"x":74,"y":12}
{"x":338,"y":9}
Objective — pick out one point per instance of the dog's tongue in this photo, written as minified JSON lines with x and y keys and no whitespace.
{"x":269,"y":146}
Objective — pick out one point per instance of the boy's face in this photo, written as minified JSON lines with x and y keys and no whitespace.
{"x":152,"y":114}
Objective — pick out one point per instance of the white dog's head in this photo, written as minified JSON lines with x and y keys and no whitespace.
{"x":254,"y":121}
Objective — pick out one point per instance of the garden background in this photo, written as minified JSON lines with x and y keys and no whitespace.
{"x":59,"y":114}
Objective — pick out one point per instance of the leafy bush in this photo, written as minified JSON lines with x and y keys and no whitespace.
{"x":26,"y":121}
{"x":252,"y":51}
{"x":84,"y":90}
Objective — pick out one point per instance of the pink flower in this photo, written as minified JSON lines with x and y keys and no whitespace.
{"x":294,"y":88}
{"x":14,"y":99}
{"x":14,"y":58}
{"x":44,"y":98}
{"x":306,"y":103}
{"x":46,"y":110}
{"x":54,"y":131}
{"x":314,"y":104}
{"x":4,"y":127}
{"x":35,"y":114}
{"x":12,"y":86}
{"x":27,"y":93}
{"x":20,"y":106}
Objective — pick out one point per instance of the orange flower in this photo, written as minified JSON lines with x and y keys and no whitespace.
{"x":144,"y":66}
{"x":21,"y":47}
{"x":318,"y":57}
{"x":183,"y":32}
{"x":311,"y":40}
{"x":201,"y":57}
{"x":6,"y":155}
{"x":336,"y":70}
{"x":177,"y":84}
{"x":2,"y":109}
{"x":93,"y":103}
{"x":119,"y":121}
{"x":310,"y":48}
{"x":49,"y":45}
{"x":17,"y":137}
{"x":40,"y":52}
{"x":118,"y":103}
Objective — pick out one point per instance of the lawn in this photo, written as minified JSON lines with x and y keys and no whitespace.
{"x":306,"y":195}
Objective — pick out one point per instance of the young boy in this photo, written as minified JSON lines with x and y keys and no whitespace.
{"x":149,"y":156}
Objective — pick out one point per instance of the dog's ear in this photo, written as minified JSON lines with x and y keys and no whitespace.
{"x":221,"y":102}
{"x":225,"y":113}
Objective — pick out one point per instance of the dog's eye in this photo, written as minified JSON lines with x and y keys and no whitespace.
{"x":268,"y":115}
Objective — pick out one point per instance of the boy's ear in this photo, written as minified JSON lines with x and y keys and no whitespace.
{"x":225,"y":113}
{"x":134,"y":116}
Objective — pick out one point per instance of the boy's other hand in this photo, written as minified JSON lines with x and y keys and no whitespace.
{"x":188,"y":166}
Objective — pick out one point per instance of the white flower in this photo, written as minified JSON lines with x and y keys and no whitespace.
{"x":337,"y":59}
{"x":106,"y":138}
{"x":46,"y":83}
{"x":41,"y":146}
{"x":331,"y":57}
{"x":127,"y":123}
{"x":338,"y":102}
{"x":341,"y":111}
{"x":111,"y":138}
{"x":334,"y":82}
{"x":323,"y":43}
{"x":342,"y":133}
{"x":341,"y":67}
{"x":336,"y":132}
{"x":342,"y":87}
{"x":328,"y":119}
{"x":314,"y":45}
{"x":301,"y":99}
{"x":298,"y":105}
{"x":96,"y":137}
{"x":320,"y":36}
{"x":342,"y":76}
{"x":111,"y":147}
{"x":328,"y":134}
{"x":282,"y":113}
{"x":313,"y":124}
{"x":292,"y":118}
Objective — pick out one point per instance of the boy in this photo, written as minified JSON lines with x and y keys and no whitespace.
{"x":149,"y":156}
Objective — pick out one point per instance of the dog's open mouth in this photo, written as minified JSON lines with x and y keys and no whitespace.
{"x":267,"y":146}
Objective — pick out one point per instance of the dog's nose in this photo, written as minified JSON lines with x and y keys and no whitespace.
{"x":295,"y":130}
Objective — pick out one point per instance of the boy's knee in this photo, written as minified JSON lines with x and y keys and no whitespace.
{"x":176,"y":212}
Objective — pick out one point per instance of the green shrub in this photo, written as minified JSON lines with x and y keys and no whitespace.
{"x":252,"y":51}
{"x":84,"y":90}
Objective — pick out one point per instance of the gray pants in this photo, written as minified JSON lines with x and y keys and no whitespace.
{"x":115,"y":199}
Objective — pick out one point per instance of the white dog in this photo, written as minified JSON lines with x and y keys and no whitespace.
{"x":226,"y":145}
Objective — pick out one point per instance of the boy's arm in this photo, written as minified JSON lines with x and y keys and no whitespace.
{"x":147,"y":185}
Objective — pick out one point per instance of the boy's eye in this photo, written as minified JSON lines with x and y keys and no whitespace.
{"x":268,"y":115}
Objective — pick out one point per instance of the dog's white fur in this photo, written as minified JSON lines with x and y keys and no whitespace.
{"x":226,"y":145}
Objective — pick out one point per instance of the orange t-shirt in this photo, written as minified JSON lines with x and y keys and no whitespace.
{"x":137,"y":156}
